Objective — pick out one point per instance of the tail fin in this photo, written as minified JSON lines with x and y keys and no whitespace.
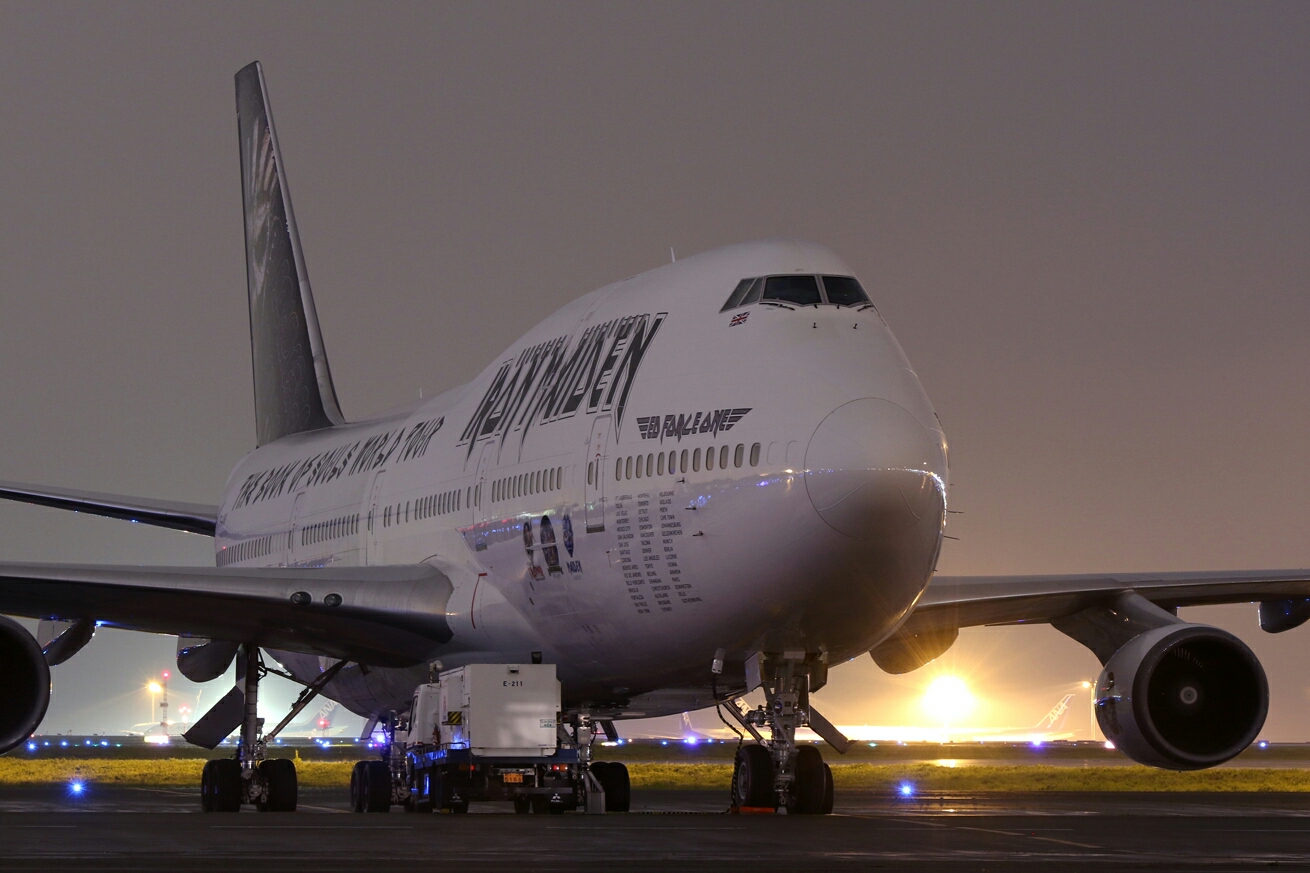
{"x":1055,"y":719}
{"x":293,"y":385}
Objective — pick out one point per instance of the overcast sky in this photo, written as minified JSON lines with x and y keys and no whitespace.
{"x":1088,"y":225}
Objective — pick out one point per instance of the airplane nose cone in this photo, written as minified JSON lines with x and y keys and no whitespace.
{"x":871,"y":467}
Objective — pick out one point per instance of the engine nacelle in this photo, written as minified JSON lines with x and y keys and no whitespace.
{"x":202,"y":660}
{"x":24,"y":684}
{"x":1182,"y":697}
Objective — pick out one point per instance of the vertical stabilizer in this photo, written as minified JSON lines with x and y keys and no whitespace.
{"x":293,"y":385}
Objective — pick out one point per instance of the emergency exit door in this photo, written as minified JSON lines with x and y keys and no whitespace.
{"x":594,"y":494}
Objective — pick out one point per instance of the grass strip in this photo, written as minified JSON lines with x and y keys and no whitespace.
{"x":925,"y":777}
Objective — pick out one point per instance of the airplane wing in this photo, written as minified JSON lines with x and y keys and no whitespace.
{"x":967,"y":601}
{"x":190,"y":517}
{"x":387,"y":616}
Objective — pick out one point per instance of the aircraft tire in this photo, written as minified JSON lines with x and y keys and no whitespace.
{"x":809,"y":786}
{"x":827,"y":790}
{"x":280,"y":779}
{"x":206,"y":801}
{"x":752,"y":779}
{"x":225,"y":785}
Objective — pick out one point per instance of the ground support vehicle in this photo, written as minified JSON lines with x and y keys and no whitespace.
{"x":489,"y":732}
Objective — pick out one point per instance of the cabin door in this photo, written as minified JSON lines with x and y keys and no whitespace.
{"x":293,"y":539}
{"x":594,"y":495}
{"x":373,"y":526}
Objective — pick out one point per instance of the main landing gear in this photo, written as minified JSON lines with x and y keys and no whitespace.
{"x":775,"y":774}
{"x":250,"y":777}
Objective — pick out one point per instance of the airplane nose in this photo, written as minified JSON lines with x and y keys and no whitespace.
{"x":872,"y":467}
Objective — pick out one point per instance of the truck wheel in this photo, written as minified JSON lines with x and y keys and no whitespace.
{"x":613,"y":778}
{"x":522,"y":806}
{"x":357,"y":797}
{"x":377,"y":786}
{"x":752,"y":779}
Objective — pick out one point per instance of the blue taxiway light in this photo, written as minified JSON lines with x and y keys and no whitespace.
{"x":906,"y":789}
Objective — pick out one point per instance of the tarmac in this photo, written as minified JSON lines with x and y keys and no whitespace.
{"x":122,"y":828}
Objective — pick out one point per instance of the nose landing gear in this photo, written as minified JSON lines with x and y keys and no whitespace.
{"x":773,"y":774}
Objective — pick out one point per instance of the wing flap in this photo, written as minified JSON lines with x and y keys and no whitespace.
{"x":190,"y":517}
{"x":383,"y":616}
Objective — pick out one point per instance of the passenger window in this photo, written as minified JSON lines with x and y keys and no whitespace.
{"x":627,"y":468}
{"x":739,"y":293}
{"x":709,"y":458}
{"x":695,"y":461}
{"x":723,"y":458}
{"x":801,"y":290}
{"x":591,"y":468}
{"x":844,"y":290}
{"x":673,"y":463}
{"x":683,"y":462}
{"x":650,"y":464}
{"x":559,"y":477}
{"x":639,"y":466}
{"x":755,"y":455}
{"x":659,"y":465}
{"x":739,"y":455}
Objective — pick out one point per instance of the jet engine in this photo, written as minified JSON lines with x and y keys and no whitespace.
{"x":24,"y":684}
{"x":1182,"y":696}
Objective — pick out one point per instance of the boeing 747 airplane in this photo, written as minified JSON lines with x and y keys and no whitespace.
{"x":719,"y":475}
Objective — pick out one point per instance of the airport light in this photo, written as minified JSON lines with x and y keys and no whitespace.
{"x":155,"y":688}
{"x":1090,"y":687}
{"x":948,"y":698}
{"x":906,"y":789}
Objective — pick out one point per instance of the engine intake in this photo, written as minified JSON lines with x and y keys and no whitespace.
{"x":1183,"y":697}
{"x":24,"y":684}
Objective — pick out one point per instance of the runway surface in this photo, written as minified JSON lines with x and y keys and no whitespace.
{"x":119,"y":828}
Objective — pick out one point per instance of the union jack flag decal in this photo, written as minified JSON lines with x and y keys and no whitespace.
{"x":738,"y":319}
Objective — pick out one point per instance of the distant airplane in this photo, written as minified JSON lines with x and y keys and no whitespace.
{"x":719,"y":475}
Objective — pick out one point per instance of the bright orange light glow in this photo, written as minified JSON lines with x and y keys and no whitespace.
{"x":948,"y":699}
{"x":154,"y":688}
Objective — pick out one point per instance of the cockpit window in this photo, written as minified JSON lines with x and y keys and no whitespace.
{"x":801,"y":290}
{"x":844,"y":290}
{"x":738,"y":297}
{"x":753,"y":295}
{"x":798,"y":291}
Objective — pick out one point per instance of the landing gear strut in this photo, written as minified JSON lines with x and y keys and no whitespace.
{"x":250,"y":777}
{"x":776,"y":774}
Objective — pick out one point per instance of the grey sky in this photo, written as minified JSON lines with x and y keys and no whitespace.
{"x":1086,"y":223}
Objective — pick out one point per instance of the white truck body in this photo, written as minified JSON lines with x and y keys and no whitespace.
{"x":491,"y":710}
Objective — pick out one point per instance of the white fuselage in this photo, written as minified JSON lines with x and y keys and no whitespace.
{"x":566,"y":491}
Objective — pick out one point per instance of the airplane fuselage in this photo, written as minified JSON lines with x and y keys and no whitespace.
{"x":638,"y":481}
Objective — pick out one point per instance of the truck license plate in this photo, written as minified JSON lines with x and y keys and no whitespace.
{"x":514,"y":778}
